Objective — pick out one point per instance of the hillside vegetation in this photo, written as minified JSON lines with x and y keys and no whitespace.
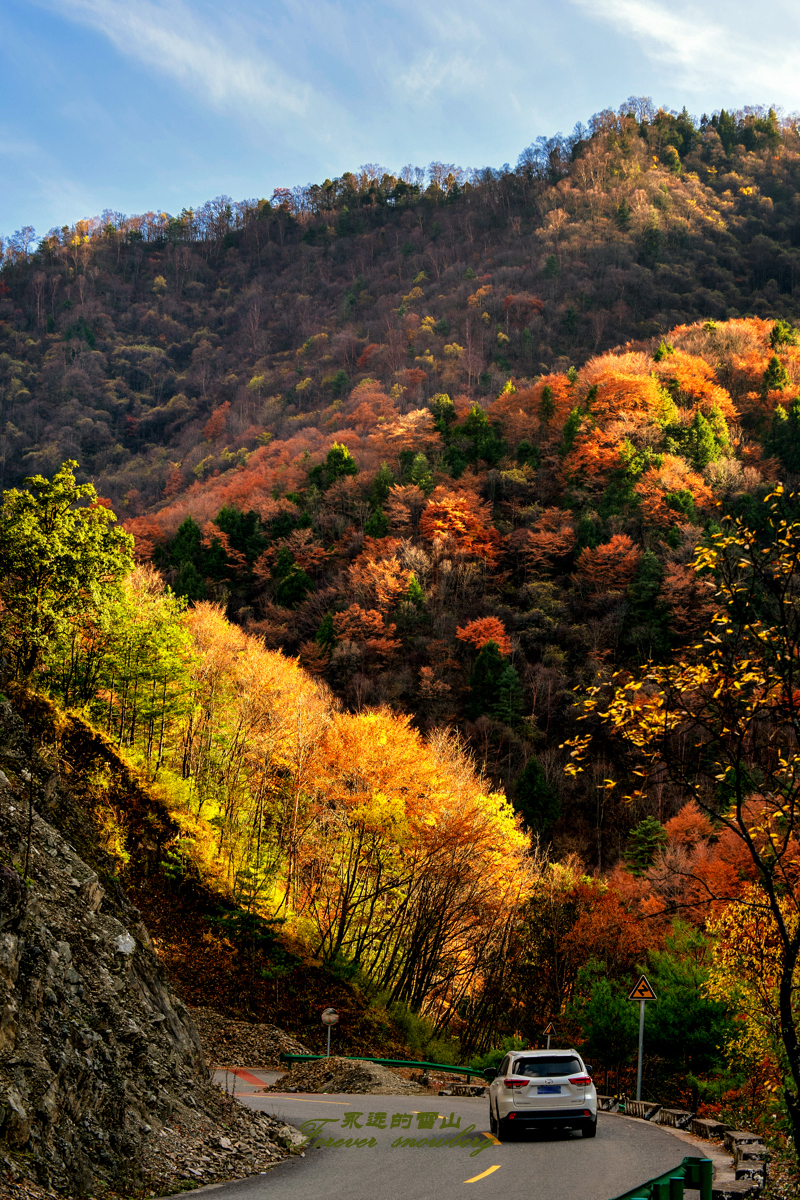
{"x":345,"y":414}
{"x":461,"y":637}
{"x":124,"y":335}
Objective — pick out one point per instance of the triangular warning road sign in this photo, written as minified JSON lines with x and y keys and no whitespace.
{"x":550,"y":1030}
{"x":642,"y":990}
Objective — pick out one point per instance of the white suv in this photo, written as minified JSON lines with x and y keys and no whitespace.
{"x":535,"y":1089}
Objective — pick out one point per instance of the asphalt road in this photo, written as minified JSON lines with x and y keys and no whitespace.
{"x":540,"y":1167}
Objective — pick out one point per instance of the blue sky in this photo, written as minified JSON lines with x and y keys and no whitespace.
{"x":156,"y":104}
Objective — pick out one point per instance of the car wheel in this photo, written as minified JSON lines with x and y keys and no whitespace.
{"x":492,"y":1122}
{"x":505,"y":1130}
{"x":589,"y":1128}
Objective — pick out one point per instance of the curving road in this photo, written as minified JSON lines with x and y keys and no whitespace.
{"x":540,"y":1167}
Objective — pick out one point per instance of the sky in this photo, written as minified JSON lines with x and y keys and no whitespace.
{"x":137,"y":105}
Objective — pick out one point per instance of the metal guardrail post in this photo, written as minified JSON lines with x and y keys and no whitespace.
{"x":692,"y":1173}
{"x":706,"y":1180}
{"x":699,"y":1174}
{"x":676,"y":1187}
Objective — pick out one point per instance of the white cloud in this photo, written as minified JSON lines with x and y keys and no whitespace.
{"x":717,"y":44}
{"x":223,"y":67}
{"x":431,"y":72}
{"x":12,"y":146}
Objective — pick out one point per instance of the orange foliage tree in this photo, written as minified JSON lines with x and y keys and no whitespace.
{"x":552,"y":537}
{"x":217,"y":422}
{"x":483,"y":630}
{"x":379,"y":583}
{"x":610,"y":567}
{"x":459,"y":522}
{"x":692,"y":383}
{"x":661,"y":487}
{"x":368,"y":628}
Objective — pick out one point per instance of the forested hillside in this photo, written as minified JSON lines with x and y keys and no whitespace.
{"x":124,"y":335}
{"x":439,"y":485}
{"x":347,"y":413}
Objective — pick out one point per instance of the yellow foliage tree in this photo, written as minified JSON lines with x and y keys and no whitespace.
{"x":723,"y":726}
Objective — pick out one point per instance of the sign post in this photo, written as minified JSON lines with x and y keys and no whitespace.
{"x":330,"y":1018}
{"x":641,"y":992}
{"x":549,"y":1032}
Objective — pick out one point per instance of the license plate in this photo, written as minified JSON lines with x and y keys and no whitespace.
{"x":548,"y":1090}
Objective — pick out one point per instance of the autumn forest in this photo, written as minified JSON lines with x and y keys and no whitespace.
{"x":427,"y":545}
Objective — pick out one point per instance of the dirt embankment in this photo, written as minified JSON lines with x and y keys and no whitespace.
{"x":335,"y":1075}
{"x":231,"y":1043}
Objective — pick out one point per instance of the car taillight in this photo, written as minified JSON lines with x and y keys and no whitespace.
{"x":512,"y":1083}
{"x":583,"y":1080}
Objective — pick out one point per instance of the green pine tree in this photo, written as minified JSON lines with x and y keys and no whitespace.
{"x":338,"y":463}
{"x":339,"y":382}
{"x":326,"y":634}
{"x":284,"y":562}
{"x":416,"y":593}
{"x":644,"y":841}
{"x":444,"y":413}
{"x":421,"y":474}
{"x":509,"y":701}
{"x":377,"y":524}
{"x":572,"y":427}
{"x":381,"y":484}
{"x":293,"y":587}
{"x":534,"y":798}
{"x":776,"y":377}
{"x":187,"y":543}
{"x":189,"y":583}
{"x":528,"y":453}
{"x":783,"y":334}
{"x":684,"y":1027}
{"x":784,"y":436}
{"x":608,"y":1021}
{"x":547,"y":404}
{"x":702,"y":445}
{"x":647,"y":618}
{"x":484,"y":679}
{"x":244,"y":530}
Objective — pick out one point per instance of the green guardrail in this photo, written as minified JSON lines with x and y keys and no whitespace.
{"x":390,"y":1062}
{"x":693,"y":1172}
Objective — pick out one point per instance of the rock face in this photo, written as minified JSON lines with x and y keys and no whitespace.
{"x":98,"y":1057}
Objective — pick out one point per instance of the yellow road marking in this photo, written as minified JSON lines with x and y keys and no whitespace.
{"x":483,"y":1175}
{"x":303,"y":1100}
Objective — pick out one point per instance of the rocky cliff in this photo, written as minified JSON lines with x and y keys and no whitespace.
{"x":103,"y":1084}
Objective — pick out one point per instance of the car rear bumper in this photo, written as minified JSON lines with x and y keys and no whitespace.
{"x":553,"y":1116}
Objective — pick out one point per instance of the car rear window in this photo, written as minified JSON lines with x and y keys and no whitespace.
{"x":547,"y":1068}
